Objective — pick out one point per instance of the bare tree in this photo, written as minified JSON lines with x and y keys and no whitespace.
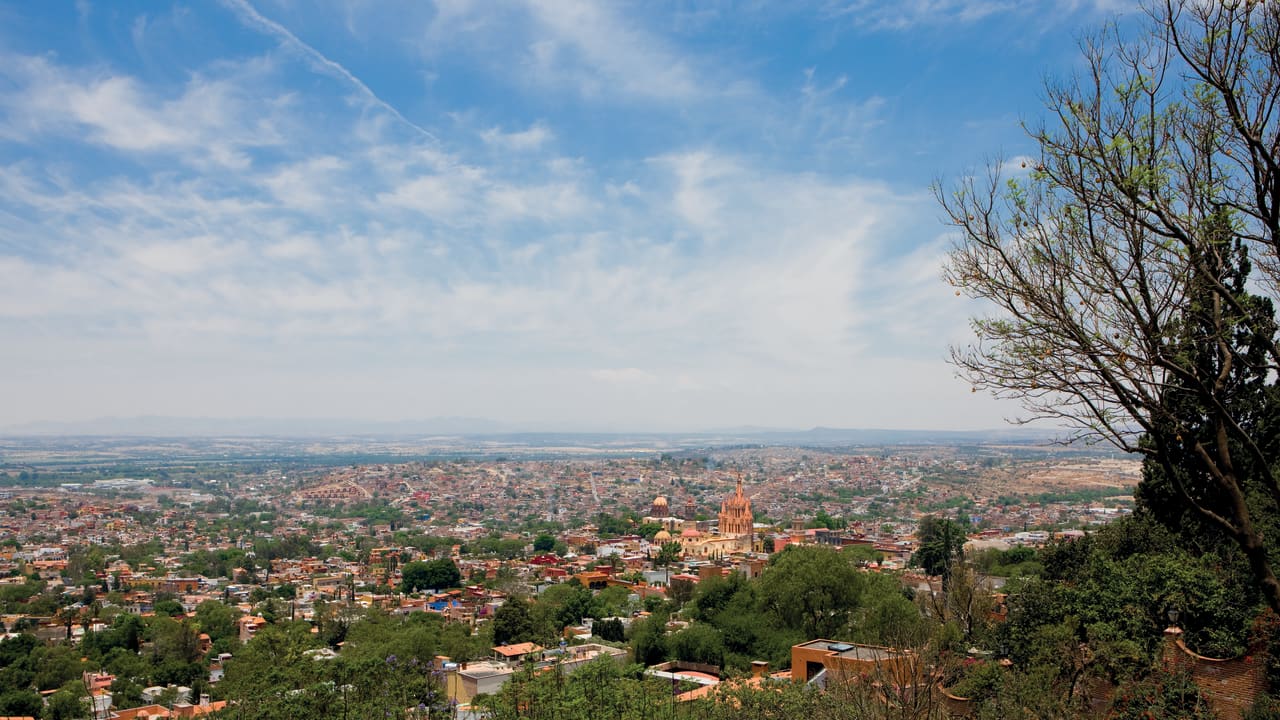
{"x":1117,"y":266}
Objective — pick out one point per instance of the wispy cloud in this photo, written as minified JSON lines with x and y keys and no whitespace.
{"x":250,"y":16}
{"x":204,"y":121}
{"x":533,"y":138}
{"x":908,"y":14}
{"x":586,"y":44}
{"x":596,"y":221}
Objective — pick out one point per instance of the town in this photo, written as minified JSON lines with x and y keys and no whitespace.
{"x":221,"y":550}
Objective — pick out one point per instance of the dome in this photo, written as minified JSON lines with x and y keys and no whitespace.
{"x":662,"y":536}
{"x":659,"y":507}
{"x":691,"y":533}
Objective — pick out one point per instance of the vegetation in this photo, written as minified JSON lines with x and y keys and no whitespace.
{"x":440,"y":574}
{"x":1120,"y":264}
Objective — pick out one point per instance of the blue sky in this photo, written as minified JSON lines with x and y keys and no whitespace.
{"x":568,"y":215}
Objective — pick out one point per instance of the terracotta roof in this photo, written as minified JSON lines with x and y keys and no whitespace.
{"x":518,"y":649}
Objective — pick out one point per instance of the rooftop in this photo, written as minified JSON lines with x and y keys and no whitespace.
{"x":853,"y":651}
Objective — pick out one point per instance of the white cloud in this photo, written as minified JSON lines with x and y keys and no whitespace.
{"x":248,"y":15}
{"x":602,"y":53}
{"x":312,"y":184}
{"x":441,"y":197}
{"x":489,"y":270}
{"x":206,"y":121}
{"x":533,"y":138}
{"x":184,"y":257}
{"x":906,"y":15}
{"x":1017,"y":165}
{"x":589,"y":49}
{"x":624,"y":376}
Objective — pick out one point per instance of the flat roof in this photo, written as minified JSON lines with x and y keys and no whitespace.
{"x":854,"y":651}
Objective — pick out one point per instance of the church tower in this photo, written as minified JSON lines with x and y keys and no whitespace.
{"x":735,"y":514}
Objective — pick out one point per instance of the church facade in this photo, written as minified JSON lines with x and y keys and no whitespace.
{"x":735,"y":533}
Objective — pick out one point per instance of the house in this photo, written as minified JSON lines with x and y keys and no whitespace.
{"x":840,"y":659}
{"x":514,"y":654}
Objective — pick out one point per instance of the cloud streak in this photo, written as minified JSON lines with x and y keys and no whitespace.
{"x":247,"y":14}
{"x":617,"y":232}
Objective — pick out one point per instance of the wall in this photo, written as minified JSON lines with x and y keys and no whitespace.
{"x":1230,"y":686}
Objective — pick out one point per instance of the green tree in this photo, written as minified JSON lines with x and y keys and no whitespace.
{"x":440,"y":574}
{"x":18,"y":703}
{"x":680,"y":591}
{"x":811,"y":588}
{"x":669,"y":553}
{"x":512,"y":622}
{"x":55,"y":665}
{"x":169,"y":608}
{"x":1112,"y":267}
{"x":544,"y":543}
{"x":700,"y":643}
{"x":272,"y":676}
{"x":940,"y":544}
{"x":68,"y":703}
{"x":648,"y":640}
{"x":560,"y":606}
{"x":611,"y":630}
{"x":1163,"y":695}
{"x":217,"y":619}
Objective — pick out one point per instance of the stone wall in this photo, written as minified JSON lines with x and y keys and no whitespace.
{"x":1230,"y":686}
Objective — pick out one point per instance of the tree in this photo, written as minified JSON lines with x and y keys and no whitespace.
{"x":667,"y":554}
{"x":941,"y":544}
{"x":560,"y":606}
{"x":1116,"y":266}
{"x":611,"y":630}
{"x":680,"y":591}
{"x":811,"y":588}
{"x":544,"y":543}
{"x":430,"y":575}
{"x":699,"y":643}
{"x":512,"y":622}
{"x":217,"y":619}
{"x":648,"y":644}
{"x":268,"y":676}
{"x":169,"y":608}
{"x":18,"y":703}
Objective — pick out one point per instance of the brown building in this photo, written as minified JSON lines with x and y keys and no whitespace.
{"x":846,"y":660}
{"x":735,"y":514}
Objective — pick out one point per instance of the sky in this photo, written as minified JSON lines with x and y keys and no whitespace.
{"x":612,"y":216}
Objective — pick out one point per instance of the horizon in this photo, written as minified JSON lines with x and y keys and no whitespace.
{"x":320,"y":427}
{"x":573,"y":215}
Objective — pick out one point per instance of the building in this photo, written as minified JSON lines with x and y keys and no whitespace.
{"x":660,"y":507}
{"x":735,"y":530}
{"x":735,"y":514}
{"x":463,"y":682}
{"x":818,"y":660}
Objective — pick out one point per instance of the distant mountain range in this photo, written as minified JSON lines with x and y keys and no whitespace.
{"x":170,"y":427}
{"x":162,"y":426}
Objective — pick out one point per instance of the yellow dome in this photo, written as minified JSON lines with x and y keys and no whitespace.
{"x":662,"y":536}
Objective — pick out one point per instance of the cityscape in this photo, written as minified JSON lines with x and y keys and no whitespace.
{"x":202,"y":523}
{"x":618,"y":360}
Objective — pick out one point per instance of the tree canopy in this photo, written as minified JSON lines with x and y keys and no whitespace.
{"x":1117,"y":263}
{"x":439,"y":574}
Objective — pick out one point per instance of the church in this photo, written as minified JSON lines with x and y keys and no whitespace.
{"x":735,"y":530}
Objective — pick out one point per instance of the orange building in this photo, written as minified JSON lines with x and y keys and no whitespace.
{"x":735,"y":514}
{"x":848,"y":660}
